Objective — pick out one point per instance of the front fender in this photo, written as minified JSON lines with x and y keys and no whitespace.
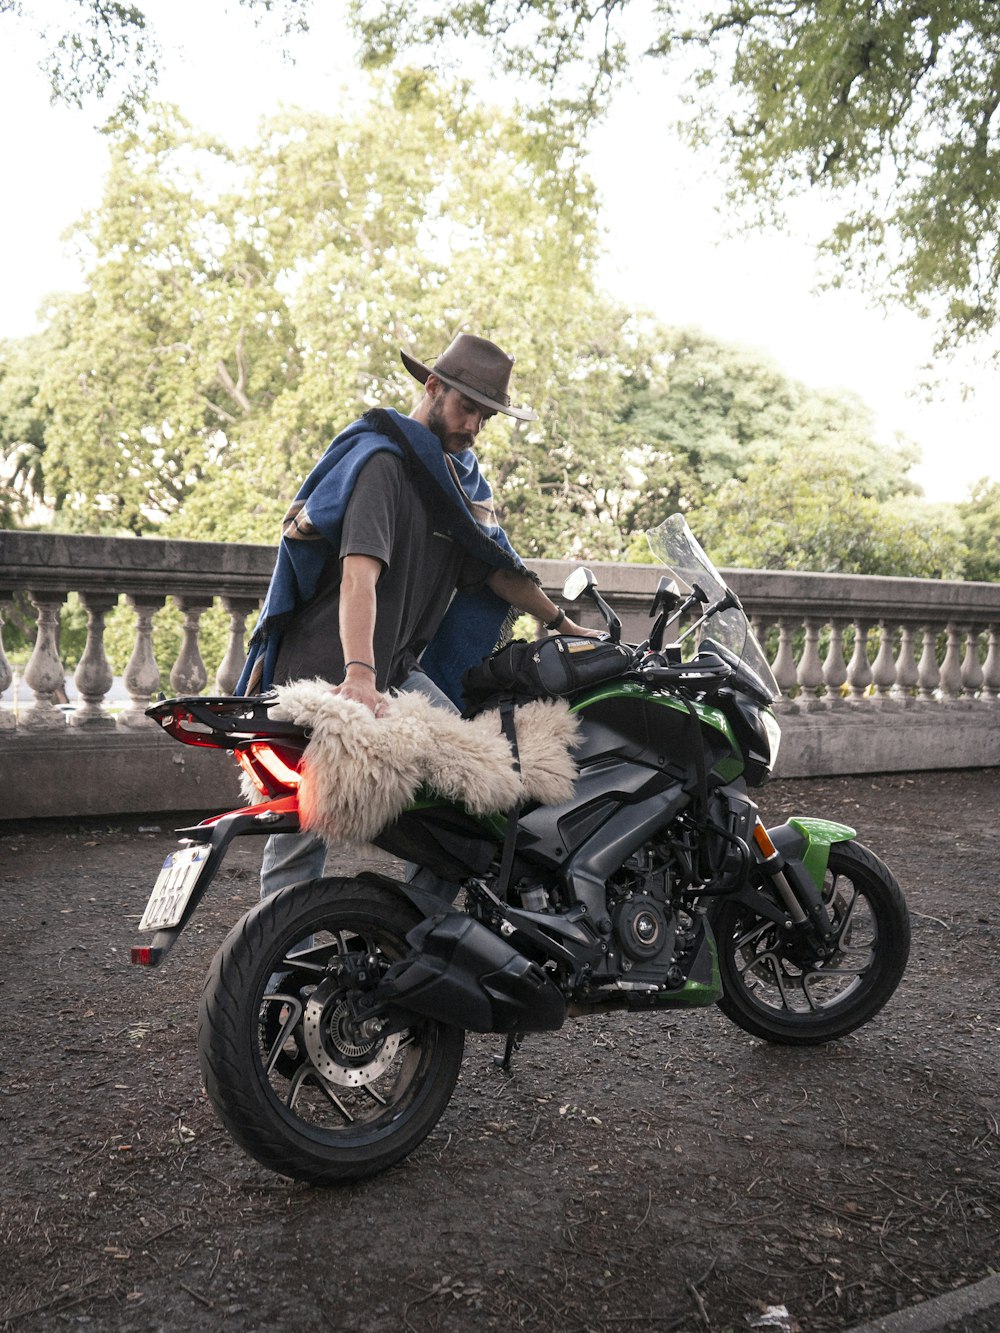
{"x":809,"y":841}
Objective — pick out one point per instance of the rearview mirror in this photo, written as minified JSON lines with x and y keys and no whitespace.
{"x":577,"y":583}
{"x":668,"y":597}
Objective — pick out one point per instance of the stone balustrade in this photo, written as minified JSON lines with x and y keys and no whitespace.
{"x":876,"y":673}
{"x":145,"y":572}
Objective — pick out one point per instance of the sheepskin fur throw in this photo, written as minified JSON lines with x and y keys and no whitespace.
{"x":359,"y":771}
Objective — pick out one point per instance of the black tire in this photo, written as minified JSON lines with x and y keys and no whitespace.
{"x":298,"y":1088}
{"x":774,"y":989}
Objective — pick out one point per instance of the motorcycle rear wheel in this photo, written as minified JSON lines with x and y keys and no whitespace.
{"x":297,"y":1085}
{"x":773,"y":989}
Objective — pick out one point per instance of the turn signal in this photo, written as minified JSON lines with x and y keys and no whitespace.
{"x":763,"y":841}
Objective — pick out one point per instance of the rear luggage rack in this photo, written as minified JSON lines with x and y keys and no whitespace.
{"x":228,"y":719}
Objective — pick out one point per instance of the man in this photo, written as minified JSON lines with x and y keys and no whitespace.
{"x":392,"y":571}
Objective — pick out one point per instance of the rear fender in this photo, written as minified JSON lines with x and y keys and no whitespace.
{"x":277,"y":816}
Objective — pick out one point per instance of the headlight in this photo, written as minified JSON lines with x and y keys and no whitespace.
{"x":773,"y":733}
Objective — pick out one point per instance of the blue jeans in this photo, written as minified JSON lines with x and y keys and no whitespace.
{"x":290,"y":858}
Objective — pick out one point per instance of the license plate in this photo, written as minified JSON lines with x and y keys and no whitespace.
{"x":173,"y":888}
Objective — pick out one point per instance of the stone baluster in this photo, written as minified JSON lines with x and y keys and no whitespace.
{"x":142,"y":675}
{"x":951,"y":667}
{"x":859,"y":673}
{"x":928,"y":674}
{"x":188,"y":674}
{"x":835,"y":665}
{"x":907,"y":673}
{"x":810,"y":673}
{"x":991,"y":667}
{"x":785,"y":672}
{"x":44,"y":672}
{"x":93,"y":674}
{"x":231,"y":665}
{"x":972,"y":672}
{"x":884,"y":666}
{"x":8,"y":718}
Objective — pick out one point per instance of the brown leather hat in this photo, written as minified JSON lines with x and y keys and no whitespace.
{"x":477,"y":368}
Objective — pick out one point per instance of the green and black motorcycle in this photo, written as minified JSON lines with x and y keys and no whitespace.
{"x":333,"y":1019}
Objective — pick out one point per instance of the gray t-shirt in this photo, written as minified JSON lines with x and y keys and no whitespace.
{"x":421,"y":568}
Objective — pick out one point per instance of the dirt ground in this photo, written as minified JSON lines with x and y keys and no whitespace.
{"x":637,"y":1172}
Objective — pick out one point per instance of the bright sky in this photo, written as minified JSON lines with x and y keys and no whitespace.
{"x":668,"y":248}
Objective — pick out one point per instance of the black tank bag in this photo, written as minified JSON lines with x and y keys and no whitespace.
{"x":545,"y":669}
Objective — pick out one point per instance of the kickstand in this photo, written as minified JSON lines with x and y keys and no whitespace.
{"x":512,"y":1044}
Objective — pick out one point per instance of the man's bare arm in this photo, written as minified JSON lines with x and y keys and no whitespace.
{"x":359,"y":575}
{"x":525,"y":595}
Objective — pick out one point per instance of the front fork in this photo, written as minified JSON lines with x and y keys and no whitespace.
{"x":796,"y":874}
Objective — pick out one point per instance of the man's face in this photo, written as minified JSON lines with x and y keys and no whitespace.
{"x":455,"y":419}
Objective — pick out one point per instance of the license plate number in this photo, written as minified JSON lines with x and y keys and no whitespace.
{"x":173,"y":888}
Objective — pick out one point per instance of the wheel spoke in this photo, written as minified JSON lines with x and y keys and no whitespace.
{"x":287,"y":1027}
{"x":770,"y":973}
{"x":332,"y":1097}
{"x":751,"y":936}
{"x":302,"y":1075}
{"x":302,"y":964}
{"x":847,"y":923}
{"x":307,"y":1074}
{"x":779,"y":979}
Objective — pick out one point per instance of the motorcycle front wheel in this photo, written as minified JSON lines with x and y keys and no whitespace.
{"x":297,"y":1082}
{"x":775,"y":987}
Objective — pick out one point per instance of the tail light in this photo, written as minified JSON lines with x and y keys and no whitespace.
{"x":262,"y":755}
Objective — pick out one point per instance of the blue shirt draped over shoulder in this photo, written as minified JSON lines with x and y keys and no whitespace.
{"x":475,"y":619}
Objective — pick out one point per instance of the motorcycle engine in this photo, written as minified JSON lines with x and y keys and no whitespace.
{"x":644,"y":932}
{"x":644,"y":923}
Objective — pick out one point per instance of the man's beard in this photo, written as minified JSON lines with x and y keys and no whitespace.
{"x":436,"y":425}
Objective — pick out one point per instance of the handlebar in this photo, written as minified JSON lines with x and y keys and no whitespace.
{"x":691,"y":675}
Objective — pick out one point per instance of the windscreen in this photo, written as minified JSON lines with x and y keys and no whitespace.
{"x":674,"y":544}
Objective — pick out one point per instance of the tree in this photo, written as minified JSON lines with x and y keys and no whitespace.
{"x":237,"y":313}
{"x":980,"y":517}
{"x":810,"y":515}
{"x":889,"y":108}
{"x":104,"y":49}
{"x":712,"y":409}
{"x":23,"y":421}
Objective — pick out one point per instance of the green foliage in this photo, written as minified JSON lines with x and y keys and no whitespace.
{"x":107,"y":51}
{"x":809,"y":514}
{"x":23,"y":421}
{"x":889,"y":108}
{"x":980,"y":518}
{"x":228,"y":331}
{"x":239,"y":312}
{"x":711,"y":409}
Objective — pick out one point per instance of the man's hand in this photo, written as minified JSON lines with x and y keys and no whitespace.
{"x":359,"y":685}
{"x":571,"y":627}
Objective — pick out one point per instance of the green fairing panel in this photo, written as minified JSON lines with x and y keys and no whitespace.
{"x":712,"y":717}
{"x":427,"y":798}
{"x":820,"y":835}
